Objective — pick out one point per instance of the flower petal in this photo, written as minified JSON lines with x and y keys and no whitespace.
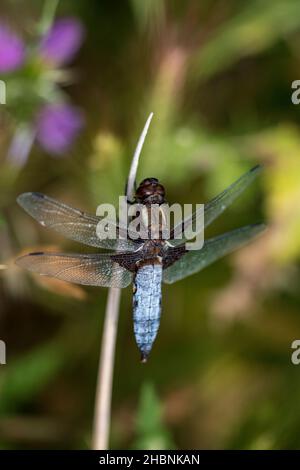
{"x":12,"y":50}
{"x":62,"y":41}
{"x":58,"y":126}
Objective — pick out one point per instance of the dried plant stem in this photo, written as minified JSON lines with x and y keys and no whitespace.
{"x":136,"y":158}
{"x":48,"y":15}
{"x":107,"y":355}
{"x":105,"y":371}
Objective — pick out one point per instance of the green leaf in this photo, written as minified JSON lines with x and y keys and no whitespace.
{"x":150,"y":430}
{"x":26,"y":376}
{"x":258,"y":26}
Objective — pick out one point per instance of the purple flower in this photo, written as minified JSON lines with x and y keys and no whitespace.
{"x":62,"y":41}
{"x":57,"y":127}
{"x":12,"y":50}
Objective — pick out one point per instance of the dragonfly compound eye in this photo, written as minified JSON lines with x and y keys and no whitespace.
{"x":150,"y":191}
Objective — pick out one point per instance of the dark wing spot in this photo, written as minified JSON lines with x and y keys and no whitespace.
{"x":39,"y":195}
{"x":172,"y":255}
{"x":255,"y":167}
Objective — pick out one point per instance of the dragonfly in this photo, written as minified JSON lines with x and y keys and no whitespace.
{"x":147,"y":263}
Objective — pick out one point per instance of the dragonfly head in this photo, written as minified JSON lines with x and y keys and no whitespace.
{"x":150,"y":191}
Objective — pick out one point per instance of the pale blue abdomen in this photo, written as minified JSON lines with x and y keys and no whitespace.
{"x":147,"y":306}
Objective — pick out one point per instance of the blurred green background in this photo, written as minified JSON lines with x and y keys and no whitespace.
{"x":217,"y":75}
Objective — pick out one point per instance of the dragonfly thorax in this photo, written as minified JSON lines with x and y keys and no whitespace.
{"x":154,"y":249}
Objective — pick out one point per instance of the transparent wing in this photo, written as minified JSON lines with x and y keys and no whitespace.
{"x":213,"y":249}
{"x":215,"y":207}
{"x":90,"y":270}
{"x":72,"y":223}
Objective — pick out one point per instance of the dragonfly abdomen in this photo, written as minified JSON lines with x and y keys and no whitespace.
{"x":147,"y":306}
